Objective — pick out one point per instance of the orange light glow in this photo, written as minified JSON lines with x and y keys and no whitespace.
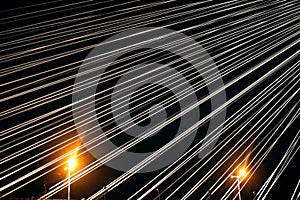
{"x":72,"y":162}
{"x":242,"y":172}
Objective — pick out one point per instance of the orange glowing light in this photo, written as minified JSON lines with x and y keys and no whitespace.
{"x":72,"y":163}
{"x":242,"y":172}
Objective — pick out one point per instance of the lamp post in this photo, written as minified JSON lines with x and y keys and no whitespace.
{"x":69,"y":183}
{"x":242,"y":173}
{"x":238,"y":185}
{"x":71,"y":165}
{"x":158,"y":193}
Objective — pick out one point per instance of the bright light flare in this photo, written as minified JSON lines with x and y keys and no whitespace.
{"x":72,"y":163}
{"x":242,"y":172}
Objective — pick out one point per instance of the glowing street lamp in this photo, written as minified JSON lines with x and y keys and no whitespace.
{"x":241,"y":174}
{"x":71,"y":165}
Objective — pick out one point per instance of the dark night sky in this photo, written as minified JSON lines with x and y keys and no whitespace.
{"x":91,"y":183}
